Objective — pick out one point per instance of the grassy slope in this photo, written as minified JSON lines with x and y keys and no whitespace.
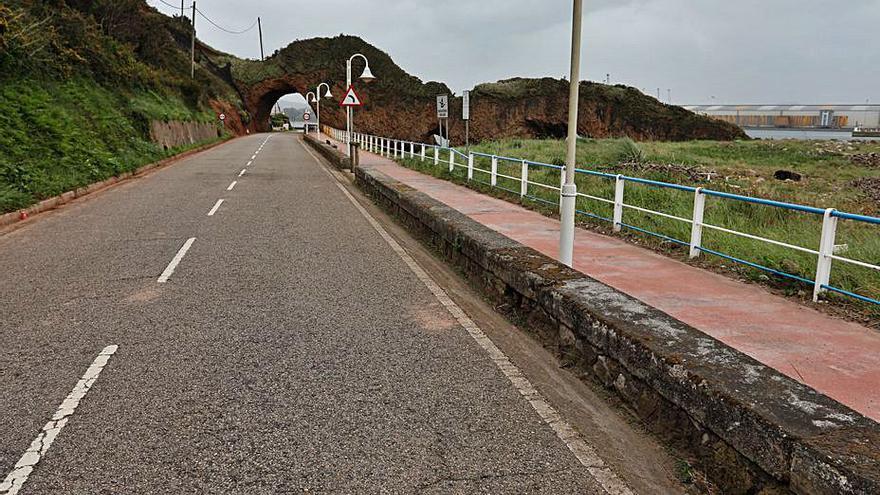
{"x":745,"y":167}
{"x":78,"y":86}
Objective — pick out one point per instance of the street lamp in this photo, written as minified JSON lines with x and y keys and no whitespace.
{"x":318,"y":101}
{"x":569,"y":189}
{"x":310,"y":98}
{"x":367,"y":77}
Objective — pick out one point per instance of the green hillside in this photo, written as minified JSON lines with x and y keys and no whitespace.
{"x":79,"y":83}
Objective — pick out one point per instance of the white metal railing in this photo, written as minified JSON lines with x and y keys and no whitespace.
{"x":825,"y":252}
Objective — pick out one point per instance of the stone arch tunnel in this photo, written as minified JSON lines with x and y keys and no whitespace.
{"x":402,"y":106}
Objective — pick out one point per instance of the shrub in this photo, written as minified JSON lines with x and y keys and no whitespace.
{"x":629,"y":152}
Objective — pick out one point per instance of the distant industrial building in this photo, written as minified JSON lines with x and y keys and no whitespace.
{"x":793,"y":116}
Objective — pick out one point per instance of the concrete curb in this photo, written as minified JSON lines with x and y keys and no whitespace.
{"x":14,"y":217}
{"x":747,"y":426}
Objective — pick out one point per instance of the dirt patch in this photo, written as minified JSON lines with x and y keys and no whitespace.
{"x":870,"y":160}
{"x":145,"y":295}
{"x":432,"y":318}
{"x":870,"y":186}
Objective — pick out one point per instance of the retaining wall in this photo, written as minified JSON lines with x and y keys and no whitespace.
{"x":749,"y":428}
{"x":175,"y":134}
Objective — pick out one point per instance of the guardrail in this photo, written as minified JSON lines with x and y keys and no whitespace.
{"x":453,"y":158}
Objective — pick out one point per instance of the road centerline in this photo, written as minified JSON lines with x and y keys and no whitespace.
{"x":216,"y":207}
{"x":38,"y":448}
{"x":176,"y":261}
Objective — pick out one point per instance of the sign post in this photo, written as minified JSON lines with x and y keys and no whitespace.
{"x":350,"y":101}
{"x":443,"y":115}
{"x":466,"y":116}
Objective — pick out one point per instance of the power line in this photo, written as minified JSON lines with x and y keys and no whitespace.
{"x":175,"y":7}
{"x":230,"y":31}
{"x":223,"y":28}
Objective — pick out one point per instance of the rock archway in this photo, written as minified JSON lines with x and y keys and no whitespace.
{"x":402,"y":106}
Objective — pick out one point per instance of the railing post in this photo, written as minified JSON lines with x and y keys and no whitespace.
{"x":494,"y":180}
{"x":436,"y":155}
{"x":524,"y":179}
{"x":470,"y":166}
{"x":423,"y":151}
{"x":697,"y":226}
{"x":451,"y":160}
{"x":826,"y":250}
{"x":396,"y":147}
{"x":412,"y":149}
{"x":618,"y":203}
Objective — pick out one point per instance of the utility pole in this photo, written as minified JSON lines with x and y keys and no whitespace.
{"x":181,"y":9}
{"x":192,"y":70}
{"x":260,"y":27}
{"x":568,"y":201}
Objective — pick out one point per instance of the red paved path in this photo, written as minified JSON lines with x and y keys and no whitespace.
{"x":836,"y":357}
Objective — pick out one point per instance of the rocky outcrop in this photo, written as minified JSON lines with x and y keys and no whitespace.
{"x":538,"y":108}
{"x":402,"y":106}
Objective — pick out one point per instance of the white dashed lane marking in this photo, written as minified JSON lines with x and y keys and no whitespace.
{"x":585,"y":454}
{"x":215,"y":208}
{"x":25,"y":466}
{"x":232,"y":186}
{"x":242,"y":172}
{"x":176,"y":261}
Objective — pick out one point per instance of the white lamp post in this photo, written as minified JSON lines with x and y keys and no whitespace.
{"x":318,"y":101}
{"x":569,"y":189}
{"x":310,"y":98}
{"x":367,"y":77}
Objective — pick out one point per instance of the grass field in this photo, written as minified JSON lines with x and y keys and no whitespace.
{"x":828,"y":173}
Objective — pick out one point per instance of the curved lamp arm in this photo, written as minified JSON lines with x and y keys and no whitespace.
{"x":318,"y":89}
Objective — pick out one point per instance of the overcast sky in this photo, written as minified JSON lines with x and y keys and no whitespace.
{"x":704,"y":51}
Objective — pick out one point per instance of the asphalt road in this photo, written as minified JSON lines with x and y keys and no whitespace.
{"x":291,"y":349}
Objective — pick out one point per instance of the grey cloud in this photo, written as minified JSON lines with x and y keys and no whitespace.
{"x":775,"y":51}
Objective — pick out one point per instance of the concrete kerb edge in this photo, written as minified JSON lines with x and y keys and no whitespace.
{"x":738,"y":411}
{"x":54,"y":202}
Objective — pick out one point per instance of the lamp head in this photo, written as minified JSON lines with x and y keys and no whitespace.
{"x":329,"y":94}
{"x":368,"y":76}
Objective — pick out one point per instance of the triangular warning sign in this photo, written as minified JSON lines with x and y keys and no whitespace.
{"x":351,"y":98}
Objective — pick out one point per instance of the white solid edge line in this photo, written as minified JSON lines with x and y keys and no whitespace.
{"x":215,"y":208}
{"x":242,"y":172}
{"x":25,"y":466}
{"x":232,"y":186}
{"x":585,"y":454}
{"x":176,"y":261}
